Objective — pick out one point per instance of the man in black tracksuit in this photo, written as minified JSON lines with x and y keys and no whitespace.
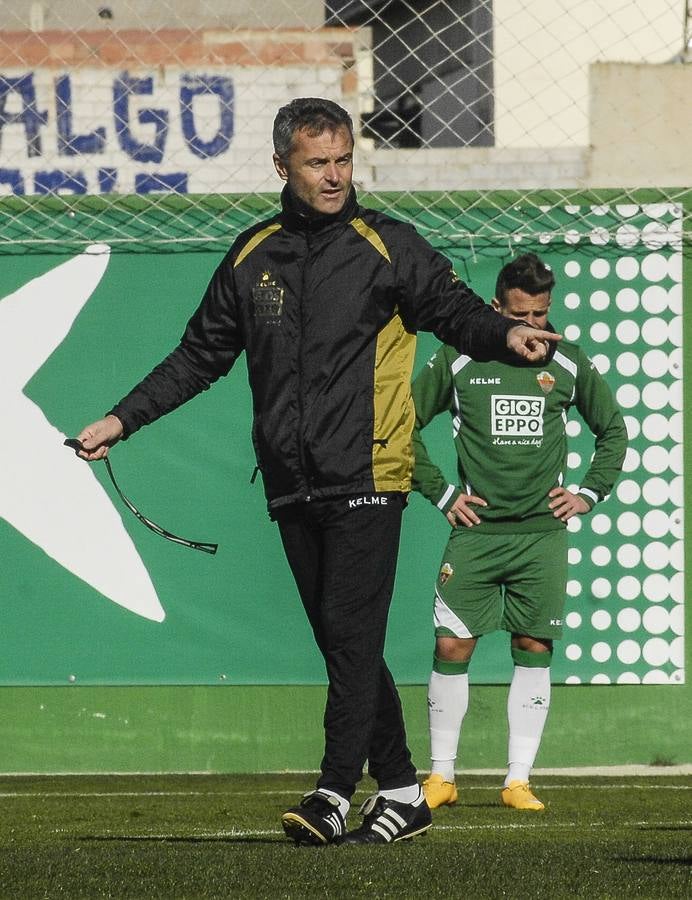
{"x":325,"y":299}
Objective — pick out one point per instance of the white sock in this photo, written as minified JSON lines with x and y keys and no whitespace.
{"x":344,"y":804}
{"x":411,"y":794}
{"x":527,"y":710}
{"x":448,"y":700}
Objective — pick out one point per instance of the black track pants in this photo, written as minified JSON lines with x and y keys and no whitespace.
{"x":343,"y":556}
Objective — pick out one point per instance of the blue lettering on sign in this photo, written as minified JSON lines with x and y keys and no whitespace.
{"x":123,"y":88}
{"x":14,"y":178}
{"x":69,"y":143}
{"x":150,"y":184}
{"x":29,"y":117}
{"x":108,"y":180}
{"x":192,"y":86}
{"x":57,"y":180}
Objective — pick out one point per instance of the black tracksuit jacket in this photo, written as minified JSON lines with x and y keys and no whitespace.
{"x":326,"y":310}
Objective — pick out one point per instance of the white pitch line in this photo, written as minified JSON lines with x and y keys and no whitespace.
{"x":292,"y":793}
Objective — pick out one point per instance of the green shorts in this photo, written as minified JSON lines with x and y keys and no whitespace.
{"x":514,"y":582}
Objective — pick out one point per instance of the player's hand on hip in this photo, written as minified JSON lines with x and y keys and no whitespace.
{"x":461,"y":511}
{"x":97,"y":438}
{"x":530,"y":343}
{"x":565,"y":504}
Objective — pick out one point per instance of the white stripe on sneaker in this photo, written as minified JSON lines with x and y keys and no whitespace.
{"x":385,"y":834}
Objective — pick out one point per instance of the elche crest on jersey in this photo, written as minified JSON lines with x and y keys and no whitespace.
{"x":446,"y":572}
{"x":546,"y":381}
{"x":267,"y":297}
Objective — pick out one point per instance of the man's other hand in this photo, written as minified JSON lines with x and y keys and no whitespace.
{"x":98,"y":437}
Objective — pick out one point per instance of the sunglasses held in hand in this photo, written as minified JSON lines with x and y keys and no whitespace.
{"x":76,"y":445}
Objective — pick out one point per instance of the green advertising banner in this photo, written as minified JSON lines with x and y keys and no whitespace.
{"x":92,"y":597}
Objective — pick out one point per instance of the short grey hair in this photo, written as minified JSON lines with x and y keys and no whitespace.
{"x":313,"y":114}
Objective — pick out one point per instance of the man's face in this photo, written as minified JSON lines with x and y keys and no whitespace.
{"x":532,"y":308}
{"x":319,"y":169}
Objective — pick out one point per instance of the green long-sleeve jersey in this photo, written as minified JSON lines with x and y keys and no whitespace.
{"x":509,"y":427}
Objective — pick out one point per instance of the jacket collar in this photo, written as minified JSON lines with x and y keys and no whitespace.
{"x":297,"y":216}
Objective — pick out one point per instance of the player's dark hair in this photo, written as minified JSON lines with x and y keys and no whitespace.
{"x":528,"y":273}
{"x":312,"y":114}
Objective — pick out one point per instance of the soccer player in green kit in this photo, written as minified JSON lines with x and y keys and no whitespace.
{"x":505,"y":563}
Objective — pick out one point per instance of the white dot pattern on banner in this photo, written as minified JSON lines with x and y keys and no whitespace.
{"x":655,"y":299}
{"x":600,"y":300}
{"x":572,"y":332}
{"x":654,"y":427}
{"x":627,"y":236}
{"x":600,"y":620}
{"x":627,"y":332}
{"x":655,"y":363}
{"x":572,"y":236}
{"x":601,"y":678}
{"x":677,"y":587}
{"x":675,"y":299}
{"x":628,"y":491}
{"x":675,"y":331}
{"x":599,"y":236}
{"x":677,"y":619}
{"x":655,"y":676}
{"x":600,"y":268}
{"x":655,"y":331}
{"x":654,"y":235}
{"x":632,"y":460}
{"x":572,"y":268}
{"x":627,"y":395}
{"x":675,"y":399}
{"x":633,"y":427}
{"x":627,"y":268}
{"x":600,"y":523}
{"x":656,"y":651}
{"x":656,"y":460}
{"x":656,"y":620}
{"x":600,"y":588}
{"x":602,"y":209}
{"x":655,"y":395}
{"x":677,"y":652}
{"x":628,"y":652}
{"x":574,"y":525}
{"x":629,"y":619}
{"x":675,"y":425}
{"x":678,"y":676}
{"x":656,"y":523}
{"x":573,"y":620}
{"x":627,"y":364}
{"x":573,"y":460}
{"x":599,"y":332}
{"x":573,"y":679}
{"x":654,"y":267}
{"x":627,"y":300}
{"x":627,"y":210}
{"x":677,"y":551}
{"x":572,"y":301}
{"x":656,"y":556}
{"x":675,"y":362}
{"x":629,"y":587}
{"x":628,"y":555}
{"x":601,"y":652}
{"x":676,"y":488}
{"x":656,"y":588}
{"x":573,"y":652}
{"x":602,"y":363}
{"x":573,"y":428}
{"x":574,"y":556}
{"x":675,"y":459}
{"x":675,"y":267}
{"x":573,"y":588}
{"x":628,"y":678}
{"x":601,"y":556}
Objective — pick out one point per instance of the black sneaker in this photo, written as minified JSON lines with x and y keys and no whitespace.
{"x":316,"y":820}
{"x":387,"y":821}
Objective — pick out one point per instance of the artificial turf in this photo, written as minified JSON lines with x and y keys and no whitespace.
{"x":201,"y":836}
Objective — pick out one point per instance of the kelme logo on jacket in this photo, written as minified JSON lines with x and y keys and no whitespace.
{"x":268,"y":298}
{"x":516,"y":416}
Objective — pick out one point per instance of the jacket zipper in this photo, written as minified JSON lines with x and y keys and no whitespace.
{"x":301,"y":447}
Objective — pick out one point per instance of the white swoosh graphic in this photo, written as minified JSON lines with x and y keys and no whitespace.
{"x":46,"y":492}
